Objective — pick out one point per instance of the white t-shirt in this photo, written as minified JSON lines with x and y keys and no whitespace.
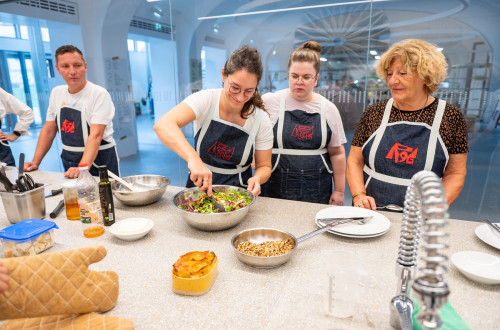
{"x":272,"y":103}
{"x":201,"y":102}
{"x":93,"y":99}
{"x":9,"y":104}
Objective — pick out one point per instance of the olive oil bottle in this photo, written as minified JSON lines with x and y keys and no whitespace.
{"x":106,"y":197}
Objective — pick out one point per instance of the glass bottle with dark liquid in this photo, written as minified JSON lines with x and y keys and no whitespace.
{"x":106,"y":197}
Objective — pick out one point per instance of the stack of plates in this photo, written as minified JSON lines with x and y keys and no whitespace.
{"x":487,"y":235}
{"x":378,"y":225}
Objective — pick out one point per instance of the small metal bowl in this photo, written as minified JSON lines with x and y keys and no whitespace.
{"x":211,"y":221}
{"x":259,"y":235}
{"x":150,"y":188}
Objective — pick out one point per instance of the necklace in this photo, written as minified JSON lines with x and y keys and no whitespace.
{"x":400,"y":113}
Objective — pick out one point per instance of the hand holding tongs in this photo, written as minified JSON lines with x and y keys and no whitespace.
{"x":24,"y":181}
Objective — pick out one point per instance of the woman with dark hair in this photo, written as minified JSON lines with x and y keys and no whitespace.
{"x":308,"y":149}
{"x":231,"y":128}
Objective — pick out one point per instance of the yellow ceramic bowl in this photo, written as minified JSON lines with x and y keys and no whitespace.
{"x":195,"y":286}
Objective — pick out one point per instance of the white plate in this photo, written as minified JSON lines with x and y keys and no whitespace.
{"x":477,"y":266}
{"x":361,"y":236}
{"x":486,"y":234}
{"x":378,"y":225}
{"x":131,"y":229}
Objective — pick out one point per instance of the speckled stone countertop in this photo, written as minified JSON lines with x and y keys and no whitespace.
{"x":243,"y":297}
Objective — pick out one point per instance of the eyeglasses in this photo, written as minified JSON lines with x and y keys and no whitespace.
{"x":236,"y":90}
{"x":306,"y":78}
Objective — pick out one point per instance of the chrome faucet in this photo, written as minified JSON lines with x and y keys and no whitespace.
{"x":424,"y":207}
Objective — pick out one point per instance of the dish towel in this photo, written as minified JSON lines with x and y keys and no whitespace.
{"x":451,"y":319}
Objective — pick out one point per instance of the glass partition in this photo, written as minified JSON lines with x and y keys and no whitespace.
{"x":178,"y":47}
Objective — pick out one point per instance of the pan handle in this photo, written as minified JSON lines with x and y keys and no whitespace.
{"x":322,"y":230}
{"x":57,"y":210}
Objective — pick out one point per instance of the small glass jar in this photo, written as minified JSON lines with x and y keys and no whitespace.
{"x":71,"y":199}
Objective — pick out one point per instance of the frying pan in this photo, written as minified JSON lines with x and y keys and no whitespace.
{"x":259,"y":235}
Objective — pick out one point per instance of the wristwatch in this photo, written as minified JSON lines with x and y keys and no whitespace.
{"x":17,"y":133}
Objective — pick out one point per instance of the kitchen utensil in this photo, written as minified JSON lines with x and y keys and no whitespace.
{"x":123,"y":182}
{"x":342,"y":218}
{"x":8,"y":185}
{"x":494,"y":226}
{"x":378,"y":224}
{"x":53,"y":192}
{"x":151,"y":188}
{"x":57,"y":210}
{"x":259,"y":235}
{"x":477,"y":266}
{"x":24,"y":181}
{"x":391,"y":207}
{"x":197,"y":193}
{"x":210,"y":221}
{"x":487,"y":235}
{"x":131,"y":229}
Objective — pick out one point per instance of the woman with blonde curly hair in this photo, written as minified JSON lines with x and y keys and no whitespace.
{"x":410,"y":132}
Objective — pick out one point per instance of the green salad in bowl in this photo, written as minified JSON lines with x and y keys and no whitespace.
{"x":231,"y":200}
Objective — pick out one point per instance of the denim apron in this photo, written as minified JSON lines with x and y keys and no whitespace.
{"x":396,"y":151}
{"x":226,"y":149}
{"x":74,"y":131}
{"x":301,"y":166}
{"x":6,"y":153}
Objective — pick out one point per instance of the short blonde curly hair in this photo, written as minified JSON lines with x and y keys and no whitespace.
{"x":418,"y":55}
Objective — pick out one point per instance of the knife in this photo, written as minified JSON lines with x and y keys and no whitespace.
{"x":493,"y":225}
{"x":53,"y":192}
{"x":344,"y":218}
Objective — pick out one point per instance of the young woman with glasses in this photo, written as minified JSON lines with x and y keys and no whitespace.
{"x":231,"y":128}
{"x":308,"y":146}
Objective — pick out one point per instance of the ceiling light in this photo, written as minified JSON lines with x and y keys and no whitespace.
{"x":157,"y":12}
{"x":377,"y":57}
{"x":373,"y":52}
{"x":322,"y":59}
{"x":291,"y":9}
{"x":440,"y":49}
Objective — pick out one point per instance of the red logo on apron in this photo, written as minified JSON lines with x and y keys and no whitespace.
{"x":220,"y":150}
{"x":303,"y":132}
{"x":402,"y":153}
{"x":68,"y":126}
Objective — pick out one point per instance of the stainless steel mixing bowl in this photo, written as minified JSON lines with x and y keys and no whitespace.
{"x":150,"y":188}
{"x":211,"y":221}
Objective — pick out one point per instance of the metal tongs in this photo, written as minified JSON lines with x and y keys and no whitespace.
{"x":24,"y":181}
{"x":214,"y":200}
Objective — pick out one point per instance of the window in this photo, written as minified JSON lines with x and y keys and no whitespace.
{"x":45,"y":34}
{"x":7,"y":30}
{"x":24,"y":31}
{"x":130,"y":44}
{"x":141,"y":46}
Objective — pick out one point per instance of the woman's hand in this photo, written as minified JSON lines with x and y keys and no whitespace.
{"x":337,"y":198}
{"x":200,"y":174}
{"x":254,"y":186}
{"x":365,"y":201}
